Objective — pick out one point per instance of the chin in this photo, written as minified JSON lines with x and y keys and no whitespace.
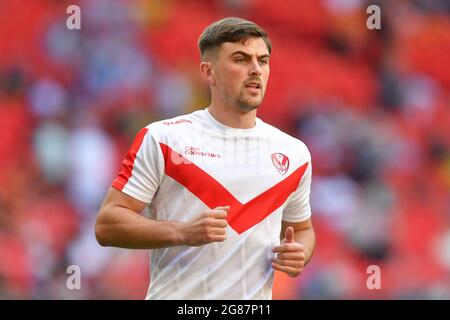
{"x":247,"y":107}
{"x":248,"y":104}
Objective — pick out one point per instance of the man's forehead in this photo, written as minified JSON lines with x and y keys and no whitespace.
{"x":250,"y":46}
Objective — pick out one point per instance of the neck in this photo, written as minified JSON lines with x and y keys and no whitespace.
{"x":233,"y":117}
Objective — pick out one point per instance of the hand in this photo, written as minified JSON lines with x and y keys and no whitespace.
{"x":290,"y":255}
{"x":207,"y":227}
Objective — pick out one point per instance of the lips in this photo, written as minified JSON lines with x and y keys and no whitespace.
{"x":255,"y":85}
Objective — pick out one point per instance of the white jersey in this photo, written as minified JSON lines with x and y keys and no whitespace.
{"x":192,"y":163}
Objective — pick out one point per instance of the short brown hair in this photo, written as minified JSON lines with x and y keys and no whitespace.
{"x":230,"y":29}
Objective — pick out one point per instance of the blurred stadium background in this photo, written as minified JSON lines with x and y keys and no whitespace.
{"x":372,"y":105}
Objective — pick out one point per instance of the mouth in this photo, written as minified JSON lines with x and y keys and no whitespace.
{"x":253,"y":87}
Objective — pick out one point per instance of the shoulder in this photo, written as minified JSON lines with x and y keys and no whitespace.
{"x":171,"y":126}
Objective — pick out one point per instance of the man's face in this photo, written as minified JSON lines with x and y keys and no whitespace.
{"x":241,"y":73}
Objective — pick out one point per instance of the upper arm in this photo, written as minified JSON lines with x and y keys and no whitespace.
{"x":118,"y":212}
{"x":116,"y":198}
{"x":298,"y":207}
{"x":143,"y":167}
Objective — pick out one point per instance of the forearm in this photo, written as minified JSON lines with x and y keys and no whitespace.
{"x":307,"y":238}
{"x":121,"y":227}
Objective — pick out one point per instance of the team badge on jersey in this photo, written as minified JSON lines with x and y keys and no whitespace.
{"x":281,"y":162}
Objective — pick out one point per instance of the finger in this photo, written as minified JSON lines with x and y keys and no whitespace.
{"x":218,"y":213}
{"x":222,"y":208}
{"x":217,"y":231}
{"x":289,"y":235}
{"x":289,"y":270}
{"x":291,"y":256}
{"x":288,"y":247}
{"x":289,"y":263}
{"x":218,"y":238}
{"x":219,"y":223}
{"x":226,"y":208}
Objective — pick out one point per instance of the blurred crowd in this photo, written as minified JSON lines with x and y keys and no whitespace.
{"x":373,"y":106}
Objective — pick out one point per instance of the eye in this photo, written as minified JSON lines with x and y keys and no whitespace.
{"x":264,"y":61}
{"x":239,"y":60}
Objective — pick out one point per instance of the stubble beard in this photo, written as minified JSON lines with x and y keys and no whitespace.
{"x":247,"y":104}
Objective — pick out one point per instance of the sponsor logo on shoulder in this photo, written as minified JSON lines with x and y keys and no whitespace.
{"x":180,"y":121}
{"x":281,"y":162}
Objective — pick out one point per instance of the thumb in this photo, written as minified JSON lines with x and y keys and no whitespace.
{"x":226,"y":208}
{"x":289,"y":235}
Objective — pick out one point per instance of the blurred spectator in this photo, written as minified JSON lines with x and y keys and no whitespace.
{"x":90,"y":173}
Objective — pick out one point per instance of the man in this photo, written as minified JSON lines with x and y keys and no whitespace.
{"x":222,"y":186}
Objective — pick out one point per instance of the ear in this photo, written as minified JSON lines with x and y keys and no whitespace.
{"x":207,"y":72}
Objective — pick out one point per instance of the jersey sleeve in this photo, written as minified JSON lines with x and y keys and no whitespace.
{"x":142,"y":168}
{"x":298,"y":208}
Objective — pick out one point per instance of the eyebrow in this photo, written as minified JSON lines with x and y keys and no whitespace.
{"x":248,"y":55}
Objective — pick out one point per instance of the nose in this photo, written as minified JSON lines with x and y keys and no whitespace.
{"x":255,"y":68}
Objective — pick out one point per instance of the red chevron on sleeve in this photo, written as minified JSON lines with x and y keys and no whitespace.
{"x":128,"y":163}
